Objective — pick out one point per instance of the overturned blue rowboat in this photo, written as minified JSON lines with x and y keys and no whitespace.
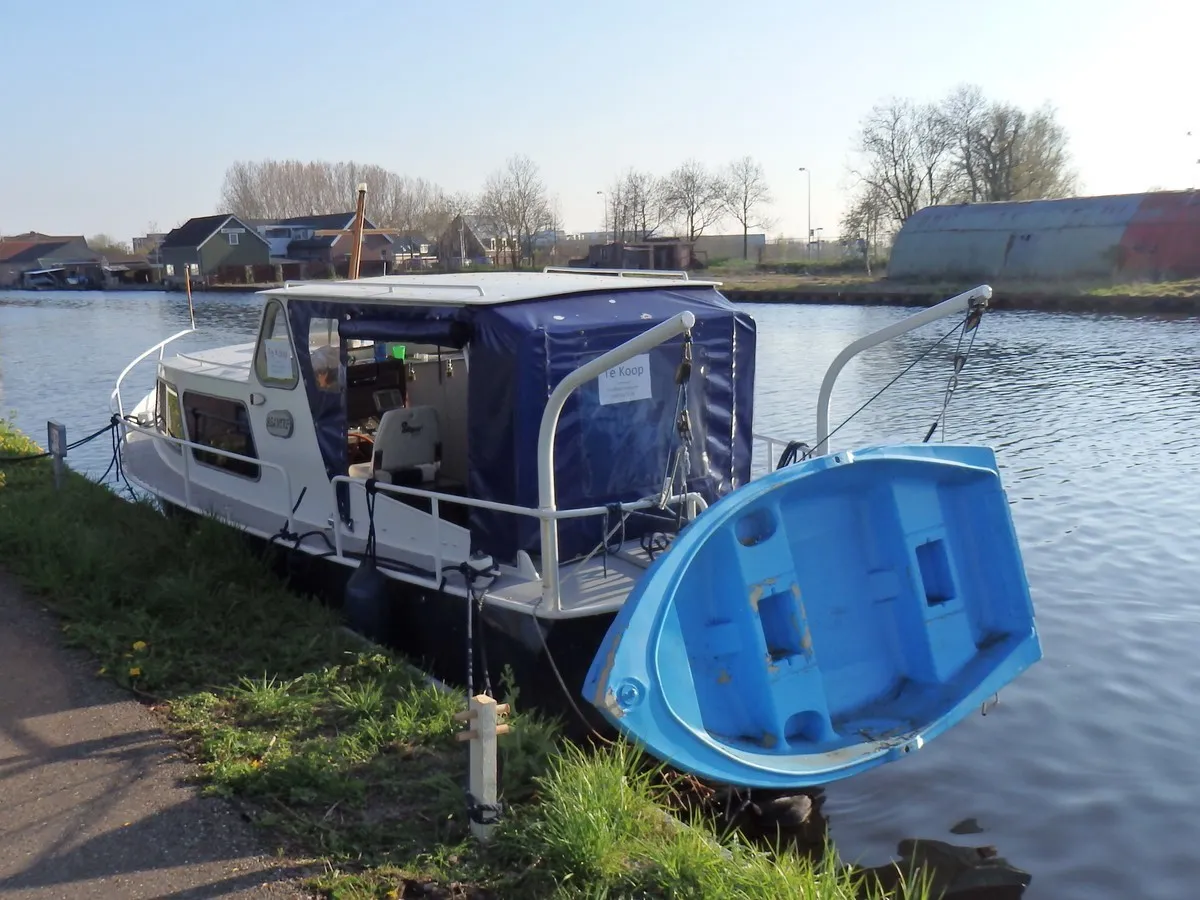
{"x":829,"y":617}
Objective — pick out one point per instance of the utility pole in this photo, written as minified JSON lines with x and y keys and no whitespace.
{"x":808,"y":240}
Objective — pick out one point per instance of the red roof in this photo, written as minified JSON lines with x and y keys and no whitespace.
{"x":9,"y":249}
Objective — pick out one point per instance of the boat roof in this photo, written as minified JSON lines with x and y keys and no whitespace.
{"x":231,"y":363}
{"x":483,"y":288}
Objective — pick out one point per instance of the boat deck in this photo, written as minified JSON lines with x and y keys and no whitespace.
{"x":589,"y":587}
{"x":231,"y":363}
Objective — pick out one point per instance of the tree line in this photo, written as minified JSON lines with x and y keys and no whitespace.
{"x":514,"y":202}
{"x":964,"y":148}
{"x":908,"y":155}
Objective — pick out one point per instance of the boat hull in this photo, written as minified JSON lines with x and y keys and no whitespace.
{"x":828,"y":618}
{"x":430,"y":629}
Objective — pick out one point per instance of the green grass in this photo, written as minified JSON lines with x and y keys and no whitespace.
{"x":347,"y":756}
{"x":741,"y":279}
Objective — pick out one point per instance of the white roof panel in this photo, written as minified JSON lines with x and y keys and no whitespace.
{"x":477,"y":288}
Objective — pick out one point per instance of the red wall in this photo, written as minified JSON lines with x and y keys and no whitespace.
{"x":1163,"y":237}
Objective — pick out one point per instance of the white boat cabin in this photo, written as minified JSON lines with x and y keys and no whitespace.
{"x":439,"y":391}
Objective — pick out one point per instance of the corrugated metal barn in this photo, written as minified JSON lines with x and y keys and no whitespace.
{"x":1125,"y":236}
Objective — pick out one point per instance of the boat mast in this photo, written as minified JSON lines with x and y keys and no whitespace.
{"x":359,"y":216}
{"x":358,"y":229}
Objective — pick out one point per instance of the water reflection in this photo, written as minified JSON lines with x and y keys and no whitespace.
{"x":1082,"y":767}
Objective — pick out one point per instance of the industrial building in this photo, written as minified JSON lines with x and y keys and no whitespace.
{"x":1126,"y":237}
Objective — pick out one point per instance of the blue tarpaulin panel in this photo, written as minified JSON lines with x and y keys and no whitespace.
{"x":608,"y":448}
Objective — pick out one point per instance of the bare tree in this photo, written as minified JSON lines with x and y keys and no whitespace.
{"x":864,"y":221}
{"x":746,"y":192}
{"x":893,"y":166}
{"x":965,"y":148}
{"x":617,"y":214}
{"x":644,"y":201}
{"x":693,"y":199}
{"x":287,"y":188}
{"x":514,"y":202}
{"x":106,"y":245}
{"x":1005,"y":153}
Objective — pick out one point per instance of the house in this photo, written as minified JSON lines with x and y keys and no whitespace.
{"x":672,"y":254}
{"x":296,"y":239}
{"x":412,"y":252}
{"x":147,"y":245}
{"x":35,"y":259}
{"x":128,"y":268}
{"x":492,"y":244}
{"x":714,"y":247}
{"x":205,"y":245}
{"x":459,"y":246}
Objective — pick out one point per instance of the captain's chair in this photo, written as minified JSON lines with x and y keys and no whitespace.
{"x":408,"y":448}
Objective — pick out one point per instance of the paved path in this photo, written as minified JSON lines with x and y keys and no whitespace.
{"x":94,"y":800}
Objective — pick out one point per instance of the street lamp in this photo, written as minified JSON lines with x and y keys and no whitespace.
{"x":808,"y":240}
{"x":601,"y":194}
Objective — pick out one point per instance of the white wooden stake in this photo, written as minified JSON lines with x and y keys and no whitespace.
{"x":482,"y":734}
{"x":56,"y":441}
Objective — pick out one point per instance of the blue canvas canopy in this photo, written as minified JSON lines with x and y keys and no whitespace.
{"x":616,"y":434}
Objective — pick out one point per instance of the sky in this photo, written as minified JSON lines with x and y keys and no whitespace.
{"x":116,"y":117}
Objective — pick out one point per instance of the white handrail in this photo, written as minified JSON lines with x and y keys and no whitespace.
{"x":621,"y":273}
{"x":581,"y":512}
{"x":694,"y":501}
{"x":390,"y":287}
{"x":976,"y":296}
{"x":205,"y":448}
{"x":115,"y":396}
{"x":652,"y":337}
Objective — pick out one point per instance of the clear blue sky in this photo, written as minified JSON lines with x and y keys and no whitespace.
{"x":116,"y":115}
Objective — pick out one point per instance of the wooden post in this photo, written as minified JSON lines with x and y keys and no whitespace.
{"x":482,"y":732}
{"x":56,"y":441}
{"x":187,"y":282}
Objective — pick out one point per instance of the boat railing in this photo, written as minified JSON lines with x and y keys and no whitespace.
{"x":226,"y":364}
{"x":675,"y":274}
{"x":367,"y":286}
{"x":652,"y":337}
{"x":976,"y":297}
{"x":114,"y":399}
{"x":770,"y":443}
{"x":154,"y":433}
{"x":694,"y":504}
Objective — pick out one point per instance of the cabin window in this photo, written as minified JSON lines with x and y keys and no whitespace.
{"x":275,"y":362}
{"x":233,"y":239}
{"x":223,"y":424}
{"x":324,"y":349}
{"x":168,"y":414}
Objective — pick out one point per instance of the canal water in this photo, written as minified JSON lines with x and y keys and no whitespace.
{"x":1084,"y":774}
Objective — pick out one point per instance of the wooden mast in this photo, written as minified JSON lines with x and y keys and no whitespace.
{"x":359,"y":215}
{"x":358,"y":230}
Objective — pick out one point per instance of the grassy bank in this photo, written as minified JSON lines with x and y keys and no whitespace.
{"x":850,"y":286}
{"x":347,"y":757}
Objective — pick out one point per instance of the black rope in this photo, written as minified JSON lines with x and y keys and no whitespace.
{"x":795,"y":451}
{"x":971,"y":324}
{"x":563,"y":685}
{"x":371,"y":494}
{"x":74,"y":445}
{"x":475,"y":623}
{"x":484,"y":813}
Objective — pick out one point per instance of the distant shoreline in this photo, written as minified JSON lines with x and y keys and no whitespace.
{"x":1001,"y":299}
{"x":1170,"y":297}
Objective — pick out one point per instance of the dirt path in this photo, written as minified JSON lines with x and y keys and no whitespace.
{"x":94,"y":800}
